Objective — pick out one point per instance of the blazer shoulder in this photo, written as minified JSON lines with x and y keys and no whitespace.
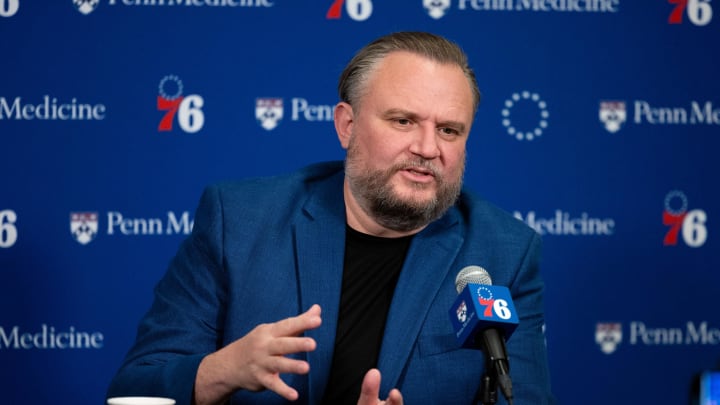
{"x":273,"y":199}
{"x":277,"y":189}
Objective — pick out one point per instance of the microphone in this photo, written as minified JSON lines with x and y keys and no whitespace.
{"x":484,"y":316}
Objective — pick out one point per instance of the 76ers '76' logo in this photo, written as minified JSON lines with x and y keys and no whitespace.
{"x":188,"y":109}
{"x":689,"y":224}
{"x":358,"y":10}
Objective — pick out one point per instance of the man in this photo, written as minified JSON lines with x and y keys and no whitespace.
{"x":365,"y":253}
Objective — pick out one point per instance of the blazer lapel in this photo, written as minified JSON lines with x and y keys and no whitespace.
{"x":427,"y":264}
{"x":320,"y":246}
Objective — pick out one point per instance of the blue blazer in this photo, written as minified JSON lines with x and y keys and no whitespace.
{"x":266,"y":249}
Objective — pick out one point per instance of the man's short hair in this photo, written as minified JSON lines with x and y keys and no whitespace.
{"x":354,"y":79}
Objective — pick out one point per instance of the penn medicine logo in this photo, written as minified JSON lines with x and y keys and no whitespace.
{"x":48,"y":337}
{"x":270,"y":111}
{"x":50,"y":109}
{"x":613,"y":114}
{"x":438,"y":8}
{"x":609,"y":335}
{"x":85,"y":226}
{"x":88,"y":6}
{"x":563,"y":223}
{"x":194,"y":3}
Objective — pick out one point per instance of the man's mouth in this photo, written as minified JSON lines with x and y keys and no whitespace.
{"x":419,"y":174}
{"x":420,"y":171}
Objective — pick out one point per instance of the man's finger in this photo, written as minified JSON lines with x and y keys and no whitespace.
{"x":395,"y":398}
{"x":370,"y":389}
{"x":275,"y":384}
{"x":296,"y":325}
{"x":288,"y":345}
{"x":284,"y":365}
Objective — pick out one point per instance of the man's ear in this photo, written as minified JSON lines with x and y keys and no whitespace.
{"x":344,"y":120}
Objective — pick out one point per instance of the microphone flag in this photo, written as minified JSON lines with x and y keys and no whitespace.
{"x":482,"y":306}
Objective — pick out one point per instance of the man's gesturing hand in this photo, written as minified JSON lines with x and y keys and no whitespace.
{"x":255,"y":361}
{"x":370,"y":391}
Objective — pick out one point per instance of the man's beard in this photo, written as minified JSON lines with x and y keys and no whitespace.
{"x":375,"y":194}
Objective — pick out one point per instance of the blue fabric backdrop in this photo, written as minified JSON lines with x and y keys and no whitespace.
{"x":599,"y":126}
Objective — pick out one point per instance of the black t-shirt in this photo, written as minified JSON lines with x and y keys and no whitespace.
{"x":371,"y":269}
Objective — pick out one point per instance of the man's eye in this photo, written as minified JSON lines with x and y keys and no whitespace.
{"x":449,"y":131}
{"x":403,"y":121}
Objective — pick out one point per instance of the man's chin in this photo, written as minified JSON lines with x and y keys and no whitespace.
{"x":416,"y":198}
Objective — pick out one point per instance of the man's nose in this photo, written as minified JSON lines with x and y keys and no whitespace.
{"x":425,"y":143}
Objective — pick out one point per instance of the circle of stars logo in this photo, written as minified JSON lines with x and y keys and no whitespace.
{"x":484,"y":293}
{"x":542,"y":123}
{"x":676,"y":195}
{"x":164,"y":83}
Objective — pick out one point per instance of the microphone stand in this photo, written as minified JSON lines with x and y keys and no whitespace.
{"x":487,"y":391}
{"x":496,"y":368}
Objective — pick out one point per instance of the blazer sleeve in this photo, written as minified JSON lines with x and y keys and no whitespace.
{"x":184,"y":322}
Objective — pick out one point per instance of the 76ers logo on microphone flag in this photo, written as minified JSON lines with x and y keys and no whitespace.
{"x":481,"y":306}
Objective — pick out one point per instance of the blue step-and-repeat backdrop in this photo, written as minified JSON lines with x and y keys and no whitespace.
{"x":599,"y":127}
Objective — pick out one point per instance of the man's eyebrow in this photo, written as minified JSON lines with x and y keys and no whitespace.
{"x":399,"y":111}
{"x":393,"y":112}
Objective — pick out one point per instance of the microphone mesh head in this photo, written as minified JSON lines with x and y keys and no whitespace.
{"x":471,"y":275}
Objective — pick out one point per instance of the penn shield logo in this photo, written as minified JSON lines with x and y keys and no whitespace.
{"x":86,"y":6}
{"x":462,"y":312}
{"x":84,"y":226}
{"x":613,"y":115}
{"x":269,"y":112}
{"x":608,"y":336}
{"x":436,"y":8}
